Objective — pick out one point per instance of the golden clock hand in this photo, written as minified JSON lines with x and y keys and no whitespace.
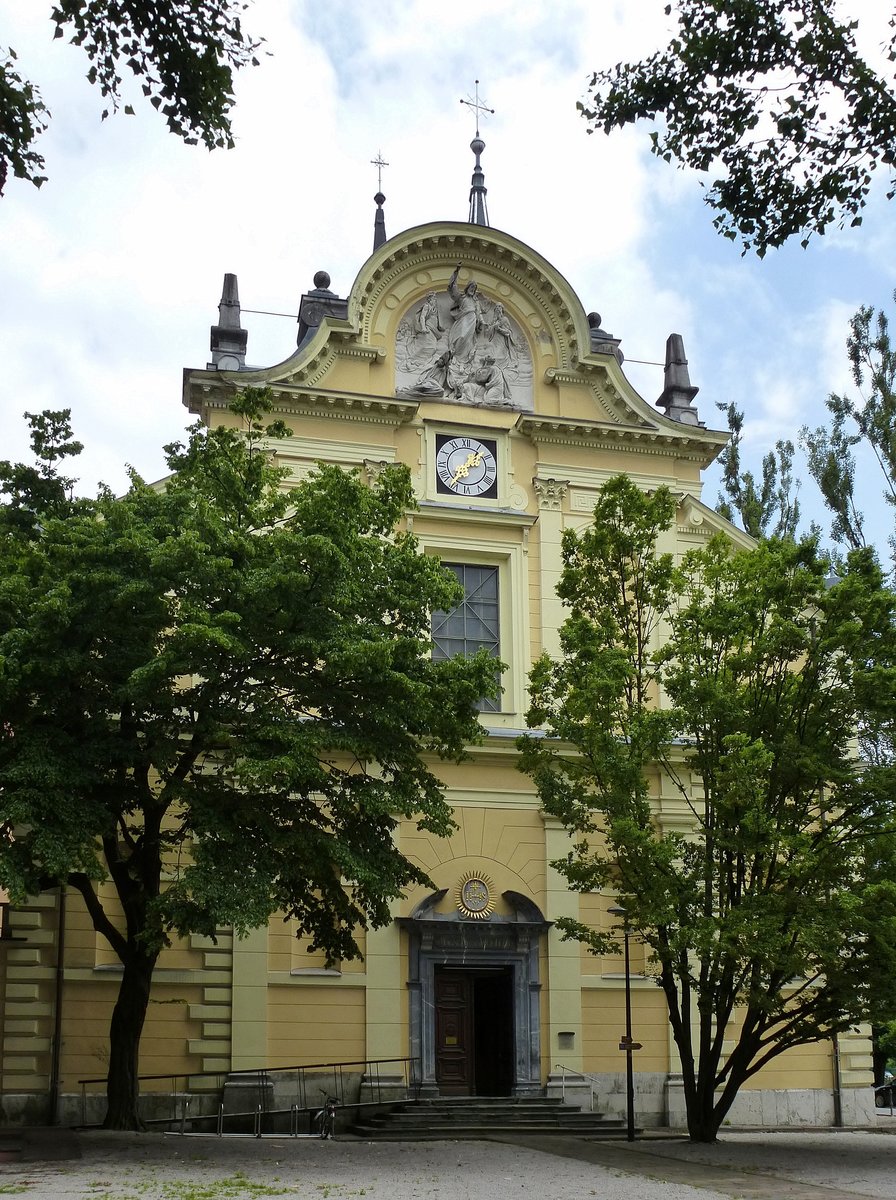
{"x":473,"y":460}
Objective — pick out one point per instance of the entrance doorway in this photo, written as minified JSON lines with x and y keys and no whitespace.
{"x":474,"y":1031}
{"x":503,"y":948}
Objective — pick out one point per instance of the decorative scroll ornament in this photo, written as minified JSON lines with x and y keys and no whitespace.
{"x":474,"y":896}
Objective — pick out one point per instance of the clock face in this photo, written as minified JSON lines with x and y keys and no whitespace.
{"x":466,"y":466}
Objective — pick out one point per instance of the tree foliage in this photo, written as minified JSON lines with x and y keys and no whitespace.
{"x":183,"y":53}
{"x":773,"y":100}
{"x":23,"y":117}
{"x":765,"y":894}
{"x":769,"y":508}
{"x":219,"y":696}
{"x":869,"y":424}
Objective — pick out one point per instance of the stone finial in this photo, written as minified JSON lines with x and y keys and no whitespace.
{"x":228,"y":339}
{"x":678,"y":392}
{"x":601,"y":341}
{"x":320,"y":302}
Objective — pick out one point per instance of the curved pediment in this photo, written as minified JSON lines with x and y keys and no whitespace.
{"x":467,"y":316}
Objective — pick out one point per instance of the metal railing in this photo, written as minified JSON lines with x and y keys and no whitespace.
{"x":261,"y":1101}
{"x":589,"y":1079}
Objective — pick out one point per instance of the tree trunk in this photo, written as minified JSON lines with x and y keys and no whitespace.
{"x":703,"y":1125}
{"x":704,"y":1114}
{"x":128,"y":1016}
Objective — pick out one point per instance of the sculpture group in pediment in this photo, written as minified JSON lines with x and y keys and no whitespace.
{"x":461,"y":345}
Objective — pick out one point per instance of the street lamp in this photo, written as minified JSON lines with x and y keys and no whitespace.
{"x":627,"y":1044}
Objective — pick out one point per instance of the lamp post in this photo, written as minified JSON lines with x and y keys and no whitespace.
{"x":627,"y":1043}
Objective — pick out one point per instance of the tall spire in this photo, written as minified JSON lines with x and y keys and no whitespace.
{"x":228,"y":339}
{"x":478,"y":190}
{"x":379,"y":221}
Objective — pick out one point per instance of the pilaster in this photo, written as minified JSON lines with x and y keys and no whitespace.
{"x":385,"y":998}
{"x":564,"y":958}
{"x":249,"y":1028}
{"x":550,"y":493}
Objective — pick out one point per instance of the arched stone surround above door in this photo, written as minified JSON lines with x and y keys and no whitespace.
{"x":454,"y":941}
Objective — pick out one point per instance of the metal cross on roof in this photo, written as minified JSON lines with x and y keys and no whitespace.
{"x":379,"y":162}
{"x":477,"y":106}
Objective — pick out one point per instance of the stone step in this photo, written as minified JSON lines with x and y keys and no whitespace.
{"x":389,"y":1133}
{"x":473,"y":1117}
{"x":449,"y":1103}
{"x":410,"y":1117}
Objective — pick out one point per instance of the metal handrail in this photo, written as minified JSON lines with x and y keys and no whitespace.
{"x":564,"y":1071}
{"x":191,"y":1081}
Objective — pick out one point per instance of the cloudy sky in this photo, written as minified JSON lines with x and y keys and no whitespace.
{"x":110,"y":274}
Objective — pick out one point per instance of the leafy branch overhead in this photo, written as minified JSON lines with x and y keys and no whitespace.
{"x":774,"y":101}
{"x":183,"y":53}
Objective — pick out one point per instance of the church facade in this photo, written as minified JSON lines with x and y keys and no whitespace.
{"x":463,"y":354}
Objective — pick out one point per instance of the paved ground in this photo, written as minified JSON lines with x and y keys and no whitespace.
{"x":61,"y":1165}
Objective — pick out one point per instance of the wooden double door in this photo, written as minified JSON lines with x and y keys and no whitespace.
{"x":474,"y":1031}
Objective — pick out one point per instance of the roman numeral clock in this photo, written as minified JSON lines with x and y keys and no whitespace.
{"x":466,"y":466}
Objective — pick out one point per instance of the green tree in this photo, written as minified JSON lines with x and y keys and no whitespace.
{"x":219,"y":695}
{"x":182,"y":52}
{"x":865,"y":427}
{"x":769,"y":508}
{"x":763,"y":921}
{"x":773,"y":100}
{"x":868,"y":423}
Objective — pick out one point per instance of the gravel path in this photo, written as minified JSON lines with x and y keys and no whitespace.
{"x":61,"y":1165}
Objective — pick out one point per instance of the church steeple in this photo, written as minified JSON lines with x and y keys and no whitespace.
{"x":379,"y":221}
{"x":478,"y":190}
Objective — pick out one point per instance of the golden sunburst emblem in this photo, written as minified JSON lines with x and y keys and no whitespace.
{"x":474,"y":896}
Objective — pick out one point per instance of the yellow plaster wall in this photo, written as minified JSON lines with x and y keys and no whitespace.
{"x":287,"y":951}
{"x":314,"y":1023}
{"x":508,"y":844}
{"x":593,"y":912}
{"x":164,"y":1046}
{"x":603,"y":1020}
{"x":803,"y":1067}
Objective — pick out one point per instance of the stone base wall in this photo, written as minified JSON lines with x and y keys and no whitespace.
{"x":25,"y":1108}
{"x":790,"y":1108}
{"x":659,"y":1102}
{"x":610,"y":1098}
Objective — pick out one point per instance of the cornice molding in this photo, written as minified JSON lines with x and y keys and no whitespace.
{"x":477,"y":516}
{"x":693,"y":444}
{"x":298,"y":401}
